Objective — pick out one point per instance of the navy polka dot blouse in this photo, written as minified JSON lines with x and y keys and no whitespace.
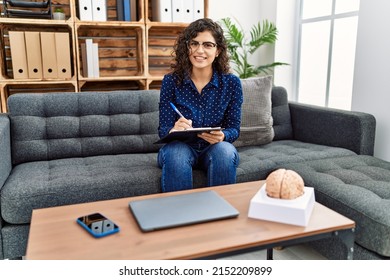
{"x":219,"y":104}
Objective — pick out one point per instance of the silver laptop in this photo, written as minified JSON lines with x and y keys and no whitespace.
{"x":181,"y":209}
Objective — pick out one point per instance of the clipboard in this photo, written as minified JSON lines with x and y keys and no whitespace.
{"x":186,"y":135}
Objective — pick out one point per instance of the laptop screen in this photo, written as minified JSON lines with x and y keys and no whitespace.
{"x":180,"y":210}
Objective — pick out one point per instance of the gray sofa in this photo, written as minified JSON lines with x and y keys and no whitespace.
{"x":66,"y":148}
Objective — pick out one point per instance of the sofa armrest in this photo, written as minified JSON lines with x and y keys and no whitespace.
{"x":333,"y":127}
{"x":5,"y":149}
{"x":5,"y":159}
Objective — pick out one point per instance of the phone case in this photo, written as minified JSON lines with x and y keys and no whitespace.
{"x":98,"y":225}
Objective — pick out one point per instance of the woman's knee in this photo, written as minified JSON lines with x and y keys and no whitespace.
{"x":225,"y":151}
{"x":176,"y":151}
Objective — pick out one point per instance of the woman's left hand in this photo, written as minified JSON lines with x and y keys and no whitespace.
{"x":212,"y":137}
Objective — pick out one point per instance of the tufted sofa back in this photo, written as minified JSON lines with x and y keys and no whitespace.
{"x":62,"y":125}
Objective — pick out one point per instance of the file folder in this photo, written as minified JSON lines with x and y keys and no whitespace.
{"x":162,"y":10}
{"x":95,"y":58}
{"x":188,"y":11}
{"x":34,"y":55}
{"x":119,"y":10}
{"x":99,"y":10}
{"x":83,"y":49}
{"x":126,"y":10}
{"x":177,"y":10}
{"x":18,"y":54}
{"x":63,"y":55}
{"x":49,"y":56}
{"x":87,"y":58}
{"x":85,"y":9}
{"x":198,"y":9}
{"x":133,"y":10}
{"x":130,"y":10}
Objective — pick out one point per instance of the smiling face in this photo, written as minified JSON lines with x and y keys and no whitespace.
{"x":202,"y":51}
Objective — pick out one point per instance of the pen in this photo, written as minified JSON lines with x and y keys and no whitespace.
{"x":176,"y":110}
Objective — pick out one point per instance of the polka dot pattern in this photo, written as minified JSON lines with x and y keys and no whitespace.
{"x":219,"y":104}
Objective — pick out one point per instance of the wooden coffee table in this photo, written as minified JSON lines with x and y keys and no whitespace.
{"x":54,"y":233}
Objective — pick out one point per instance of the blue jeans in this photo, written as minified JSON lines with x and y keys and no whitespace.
{"x":177,"y":159}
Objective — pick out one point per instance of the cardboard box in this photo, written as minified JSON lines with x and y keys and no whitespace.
{"x":295,"y":211}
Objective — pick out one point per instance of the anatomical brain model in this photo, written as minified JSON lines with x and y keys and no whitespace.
{"x":285,"y":184}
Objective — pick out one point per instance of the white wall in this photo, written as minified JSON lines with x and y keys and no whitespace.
{"x":371,"y":89}
{"x":247,"y":13}
{"x":285,"y":47}
{"x":280,"y":12}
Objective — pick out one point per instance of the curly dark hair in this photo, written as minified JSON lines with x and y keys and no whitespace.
{"x":182,"y":65}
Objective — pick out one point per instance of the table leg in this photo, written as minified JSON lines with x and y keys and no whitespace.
{"x":270,"y":254}
{"x":348,"y":238}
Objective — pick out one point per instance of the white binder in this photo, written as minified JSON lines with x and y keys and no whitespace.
{"x":162,"y":10}
{"x":198,"y":9}
{"x":95,"y":55}
{"x":85,"y":10}
{"x":177,"y":10}
{"x":188,"y":11}
{"x":87,"y":58}
{"x":99,"y":10}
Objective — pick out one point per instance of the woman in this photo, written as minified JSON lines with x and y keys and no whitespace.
{"x":204,"y":91}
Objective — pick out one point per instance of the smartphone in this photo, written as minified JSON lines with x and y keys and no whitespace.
{"x":98,"y":225}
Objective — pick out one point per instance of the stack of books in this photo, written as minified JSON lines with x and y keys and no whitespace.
{"x":126,"y":10}
{"x":90,"y":59}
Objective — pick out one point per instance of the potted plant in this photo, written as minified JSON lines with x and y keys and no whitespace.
{"x":240,"y":48}
{"x":59,"y":14}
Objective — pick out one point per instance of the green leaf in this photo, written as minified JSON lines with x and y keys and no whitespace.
{"x":262,"y":34}
{"x":240,"y":49}
{"x":267,"y":68}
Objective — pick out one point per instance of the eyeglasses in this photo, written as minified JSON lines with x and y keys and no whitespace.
{"x":194,"y":45}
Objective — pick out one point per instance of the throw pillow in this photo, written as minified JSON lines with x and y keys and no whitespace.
{"x":256,"y":117}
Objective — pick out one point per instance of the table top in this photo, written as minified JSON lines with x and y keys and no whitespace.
{"x":54,"y":233}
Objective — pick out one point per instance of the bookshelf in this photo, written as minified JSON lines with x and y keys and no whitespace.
{"x":132,"y":54}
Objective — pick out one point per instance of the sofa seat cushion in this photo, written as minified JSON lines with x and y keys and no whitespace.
{"x":257,"y":162}
{"x":45,"y":184}
{"x":357,"y":187}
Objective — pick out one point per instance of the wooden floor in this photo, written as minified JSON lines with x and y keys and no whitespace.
{"x":298,"y":252}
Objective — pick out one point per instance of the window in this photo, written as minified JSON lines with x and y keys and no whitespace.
{"x":327,"y":40}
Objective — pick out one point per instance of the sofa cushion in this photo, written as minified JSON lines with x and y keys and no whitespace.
{"x":256,"y":118}
{"x":281,"y":114}
{"x":65,"y":125}
{"x":44,"y":184}
{"x":357,"y":187}
{"x":257,"y":162}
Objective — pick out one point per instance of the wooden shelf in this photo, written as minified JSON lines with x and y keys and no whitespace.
{"x":132,"y":54}
{"x":12,"y":87}
{"x":6,"y":73}
{"x":121,"y":49}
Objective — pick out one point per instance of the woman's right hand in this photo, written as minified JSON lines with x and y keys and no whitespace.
{"x":181,"y":124}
